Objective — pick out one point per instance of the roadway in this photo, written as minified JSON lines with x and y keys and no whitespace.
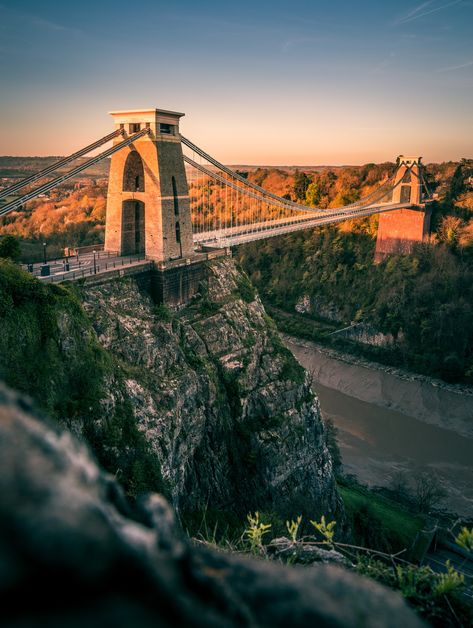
{"x":87,"y":264}
{"x":83,"y":265}
{"x":240,"y":234}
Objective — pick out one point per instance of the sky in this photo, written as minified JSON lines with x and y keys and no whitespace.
{"x":304,"y":82}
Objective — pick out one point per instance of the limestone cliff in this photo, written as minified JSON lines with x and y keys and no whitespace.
{"x":223,"y":404}
{"x":204,"y":404}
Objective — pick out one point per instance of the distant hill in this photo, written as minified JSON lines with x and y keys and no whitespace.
{"x":19,"y":167}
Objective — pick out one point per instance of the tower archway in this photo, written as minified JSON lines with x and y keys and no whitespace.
{"x":133,"y":233}
{"x":133,"y":173}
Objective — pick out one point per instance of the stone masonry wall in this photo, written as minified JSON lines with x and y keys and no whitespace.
{"x":400,"y":230}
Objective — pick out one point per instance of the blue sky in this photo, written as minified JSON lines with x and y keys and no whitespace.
{"x":301,"y":82}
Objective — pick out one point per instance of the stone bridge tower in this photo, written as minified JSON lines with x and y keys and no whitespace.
{"x":400,"y":230}
{"x":148,"y":208}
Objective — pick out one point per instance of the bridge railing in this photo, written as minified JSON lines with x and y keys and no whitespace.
{"x":100,"y":268}
{"x":67,"y":258}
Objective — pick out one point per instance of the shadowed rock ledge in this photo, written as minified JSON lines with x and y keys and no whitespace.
{"x":76,"y":553}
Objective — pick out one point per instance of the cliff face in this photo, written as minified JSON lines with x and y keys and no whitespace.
{"x":221,"y":402}
{"x":205,"y":405}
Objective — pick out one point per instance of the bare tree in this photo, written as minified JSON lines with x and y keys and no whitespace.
{"x":428,"y":492}
{"x":399,"y":485}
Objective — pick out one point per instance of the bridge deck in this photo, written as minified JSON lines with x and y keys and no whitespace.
{"x":257,"y":231}
{"x":82,"y":266}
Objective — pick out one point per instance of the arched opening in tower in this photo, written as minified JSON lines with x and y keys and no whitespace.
{"x":133,"y":173}
{"x":406,"y":177}
{"x":133,"y":232}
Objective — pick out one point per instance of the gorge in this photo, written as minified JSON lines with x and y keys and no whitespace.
{"x":204,"y":404}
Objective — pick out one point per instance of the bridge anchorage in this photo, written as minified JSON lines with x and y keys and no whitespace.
{"x":400,"y":230}
{"x":172,"y":203}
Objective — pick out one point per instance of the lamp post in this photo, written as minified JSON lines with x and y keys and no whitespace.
{"x":45,"y":270}
{"x":95,"y":264}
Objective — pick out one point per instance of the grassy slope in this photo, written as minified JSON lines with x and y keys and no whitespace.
{"x":400,"y":527}
{"x":49,"y":350}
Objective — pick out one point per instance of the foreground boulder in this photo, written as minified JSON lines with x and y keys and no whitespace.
{"x":73,"y":552}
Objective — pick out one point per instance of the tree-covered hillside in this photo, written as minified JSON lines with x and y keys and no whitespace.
{"x":425,"y":300}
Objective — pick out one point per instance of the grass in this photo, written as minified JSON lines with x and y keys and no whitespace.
{"x":49,"y":350}
{"x":399,"y":526}
{"x":217,"y":527}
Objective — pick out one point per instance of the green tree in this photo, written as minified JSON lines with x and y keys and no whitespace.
{"x":301,"y":183}
{"x":449,"y":230}
{"x":313,"y":195}
{"x":457,"y":185}
{"x":10,"y":248}
{"x":345,"y":197}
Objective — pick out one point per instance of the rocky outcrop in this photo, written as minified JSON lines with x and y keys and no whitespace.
{"x":75,"y":553}
{"x":356,"y":331}
{"x":222,"y":403}
{"x":304,"y":553}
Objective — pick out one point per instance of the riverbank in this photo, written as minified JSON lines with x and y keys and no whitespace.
{"x":388,"y":422}
{"x":449,"y":406}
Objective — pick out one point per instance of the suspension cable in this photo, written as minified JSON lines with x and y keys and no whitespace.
{"x":424,"y":183}
{"x":302,"y":208}
{"x":238,"y":188}
{"x":55,"y":182}
{"x":261,"y":190}
{"x":58,"y":164}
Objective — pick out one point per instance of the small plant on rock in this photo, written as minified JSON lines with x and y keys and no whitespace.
{"x":325,"y":529}
{"x":464,"y":539}
{"x":293,"y":528}
{"x":254,"y":533}
{"x":439,"y":597}
{"x":449,"y":581}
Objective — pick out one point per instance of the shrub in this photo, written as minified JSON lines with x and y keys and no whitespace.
{"x":10,"y":248}
{"x":163,"y":313}
{"x":427,"y":492}
{"x":245,"y":289}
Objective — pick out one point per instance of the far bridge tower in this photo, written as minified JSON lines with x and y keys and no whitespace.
{"x":400,"y":230}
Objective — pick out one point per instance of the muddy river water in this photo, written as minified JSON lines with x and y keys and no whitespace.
{"x":380,"y":432}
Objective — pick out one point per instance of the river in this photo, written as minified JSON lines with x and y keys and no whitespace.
{"x":376,"y":441}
